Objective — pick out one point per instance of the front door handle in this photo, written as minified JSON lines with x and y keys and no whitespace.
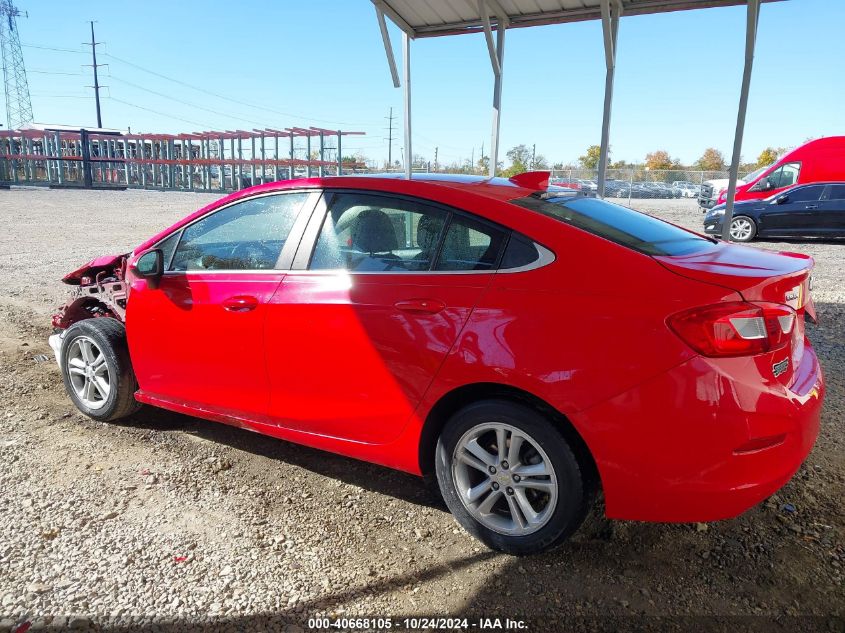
{"x":240,"y":303}
{"x":812,"y":206}
{"x":420,"y":306}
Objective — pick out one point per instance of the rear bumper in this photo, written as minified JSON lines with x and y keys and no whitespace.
{"x":676,"y":448}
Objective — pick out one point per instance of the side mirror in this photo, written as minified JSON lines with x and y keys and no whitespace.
{"x":782,"y":199}
{"x":150,"y":266}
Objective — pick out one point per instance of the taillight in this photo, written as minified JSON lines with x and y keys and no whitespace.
{"x":723,"y":196}
{"x":736,"y":328}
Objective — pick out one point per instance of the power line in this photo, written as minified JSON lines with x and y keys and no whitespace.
{"x":51,"y":48}
{"x":52,"y":72}
{"x":187,"y":103}
{"x":164,"y":114}
{"x":220,"y":96}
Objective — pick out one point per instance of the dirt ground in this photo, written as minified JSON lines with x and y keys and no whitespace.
{"x":166,"y":522}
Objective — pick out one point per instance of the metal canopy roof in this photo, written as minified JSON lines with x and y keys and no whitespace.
{"x":429,"y":18}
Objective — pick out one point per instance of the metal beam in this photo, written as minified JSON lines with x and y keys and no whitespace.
{"x":610,"y":29}
{"x":406,"y":69}
{"x":497,"y":95}
{"x":388,"y":47}
{"x":488,"y":36}
{"x":752,"y":19}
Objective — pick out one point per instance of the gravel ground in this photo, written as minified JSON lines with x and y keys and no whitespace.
{"x":166,"y":522}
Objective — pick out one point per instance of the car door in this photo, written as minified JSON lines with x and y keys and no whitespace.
{"x":794,"y":212}
{"x":379,"y":291}
{"x":831,"y":217}
{"x":197,"y":338}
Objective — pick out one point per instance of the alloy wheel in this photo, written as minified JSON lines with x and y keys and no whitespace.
{"x":504,"y":479}
{"x":88,"y":372}
{"x":741,"y":229}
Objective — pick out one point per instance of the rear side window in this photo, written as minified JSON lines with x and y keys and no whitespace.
{"x":837,"y":192}
{"x":519,"y":252}
{"x":371,"y":233}
{"x":624,"y":226}
{"x":470,"y":245}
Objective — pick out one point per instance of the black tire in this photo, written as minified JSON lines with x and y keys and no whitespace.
{"x":753,"y":232}
{"x":109,"y":337}
{"x":573,"y":492}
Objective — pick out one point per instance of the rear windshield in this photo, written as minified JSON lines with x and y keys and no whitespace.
{"x":618,"y":224}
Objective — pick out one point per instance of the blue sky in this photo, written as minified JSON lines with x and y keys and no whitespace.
{"x":322,"y":63}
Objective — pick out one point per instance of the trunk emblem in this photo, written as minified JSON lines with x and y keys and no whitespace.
{"x":780,"y":367}
{"x":795,"y":297}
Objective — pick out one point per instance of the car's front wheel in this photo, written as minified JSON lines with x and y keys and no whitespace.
{"x":510,"y":478}
{"x":743,"y":229}
{"x":96,"y":369}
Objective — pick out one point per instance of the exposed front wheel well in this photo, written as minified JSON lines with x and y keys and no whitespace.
{"x":458,"y":398}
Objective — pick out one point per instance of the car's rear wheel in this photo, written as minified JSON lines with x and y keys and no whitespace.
{"x":743,"y":229}
{"x":96,"y":369}
{"x":510,"y":478}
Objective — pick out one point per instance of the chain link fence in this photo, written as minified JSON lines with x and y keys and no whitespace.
{"x":638,"y":182}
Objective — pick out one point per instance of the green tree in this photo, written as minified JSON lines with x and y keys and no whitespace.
{"x":711,"y":160}
{"x":520,"y":158}
{"x":590,"y":160}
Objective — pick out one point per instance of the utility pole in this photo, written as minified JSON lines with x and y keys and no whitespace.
{"x":15,"y":84}
{"x":533,"y":155}
{"x":472,"y":161}
{"x":435,"y":158}
{"x":390,"y":139}
{"x":95,"y":65}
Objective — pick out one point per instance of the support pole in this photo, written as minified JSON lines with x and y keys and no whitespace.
{"x":406,"y":71}
{"x":339,"y":155}
{"x":497,"y":95}
{"x":291,"y":171}
{"x":610,"y":29}
{"x":752,"y":19}
{"x":322,"y":154}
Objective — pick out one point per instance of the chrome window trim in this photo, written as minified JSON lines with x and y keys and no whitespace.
{"x":545,"y":258}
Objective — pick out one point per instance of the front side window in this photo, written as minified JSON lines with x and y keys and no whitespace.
{"x":624,"y":226}
{"x":784,"y":176}
{"x":367,"y":232}
{"x":247,"y":235}
{"x":806,"y":194}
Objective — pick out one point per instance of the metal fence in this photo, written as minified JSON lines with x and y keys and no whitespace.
{"x":207,"y":161}
{"x":638,"y":182}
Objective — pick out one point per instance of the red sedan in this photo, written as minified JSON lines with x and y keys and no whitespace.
{"x":527,"y":346}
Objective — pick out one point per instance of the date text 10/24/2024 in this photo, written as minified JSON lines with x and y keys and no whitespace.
{"x":417,"y":623}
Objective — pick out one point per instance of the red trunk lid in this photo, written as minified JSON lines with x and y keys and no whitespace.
{"x":758,"y":275}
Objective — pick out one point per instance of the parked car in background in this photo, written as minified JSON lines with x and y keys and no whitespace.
{"x":815,"y":210}
{"x":820,"y":160}
{"x":686,"y":189}
{"x":490,"y":332}
{"x":617,"y":188}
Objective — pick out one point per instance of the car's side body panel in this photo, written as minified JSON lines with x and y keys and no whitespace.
{"x":337,"y":361}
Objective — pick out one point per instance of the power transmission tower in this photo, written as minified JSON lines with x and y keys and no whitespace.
{"x":435,"y":158}
{"x":95,"y":65}
{"x":390,"y":139}
{"x":18,"y":103}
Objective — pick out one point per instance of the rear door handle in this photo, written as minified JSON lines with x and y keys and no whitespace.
{"x":240,"y":303}
{"x":420,"y":306}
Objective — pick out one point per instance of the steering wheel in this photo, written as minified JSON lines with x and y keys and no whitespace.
{"x":254,"y":254}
